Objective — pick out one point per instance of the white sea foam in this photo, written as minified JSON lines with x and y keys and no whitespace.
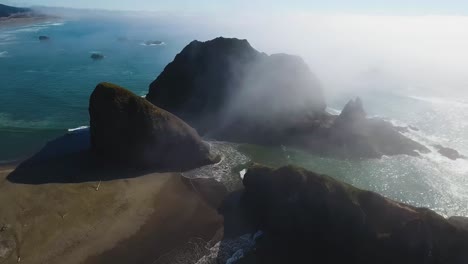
{"x":230,"y":251}
{"x":34,"y":27}
{"x":57,"y":24}
{"x":242,"y":173}
{"x":439,"y":100}
{"x":5,"y":37}
{"x":27,"y":29}
{"x":153,"y":44}
{"x":333,"y":111}
{"x":6,"y":120}
{"x":223,"y":170}
{"x":76,"y":129}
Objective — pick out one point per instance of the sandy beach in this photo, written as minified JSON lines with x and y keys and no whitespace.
{"x":24,"y":21}
{"x":127,"y":220}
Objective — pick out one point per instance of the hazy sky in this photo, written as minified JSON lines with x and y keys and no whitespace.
{"x":395,"y":7}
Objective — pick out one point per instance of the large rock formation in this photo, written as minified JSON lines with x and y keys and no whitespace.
{"x":306,"y":217}
{"x":229,"y":91}
{"x":217,"y":83}
{"x":127,"y":129}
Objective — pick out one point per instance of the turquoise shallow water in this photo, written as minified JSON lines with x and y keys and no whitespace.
{"x":45,"y":87}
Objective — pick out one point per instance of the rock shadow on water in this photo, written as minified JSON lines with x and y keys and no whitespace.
{"x":69,"y":159}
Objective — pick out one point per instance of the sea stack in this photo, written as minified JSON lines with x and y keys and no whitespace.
{"x":128,"y":130}
{"x":353,"y":134}
{"x":44,"y":38}
{"x":224,"y":81}
{"x":97,"y":56}
{"x":449,"y":152}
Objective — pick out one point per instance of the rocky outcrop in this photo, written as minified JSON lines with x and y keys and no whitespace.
{"x":353,"y":133}
{"x":97,"y":56}
{"x":308,"y":216}
{"x":449,"y":152}
{"x":220,"y":82}
{"x":127,"y":129}
{"x":44,"y":38}
{"x":229,"y":91}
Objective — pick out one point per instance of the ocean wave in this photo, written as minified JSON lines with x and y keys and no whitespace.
{"x":230,"y":251}
{"x":430,"y":140}
{"x":7,"y":37}
{"x":56,"y":24}
{"x":34,"y":27}
{"x":77,"y":129}
{"x":333,"y":111}
{"x":26,"y":29}
{"x":3,"y":54}
{"x":7,"y":121}
{"x":153,"y":44}
{"x":440,"y":100}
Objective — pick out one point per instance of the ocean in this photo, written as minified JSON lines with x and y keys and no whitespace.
{"x":45,"y":88}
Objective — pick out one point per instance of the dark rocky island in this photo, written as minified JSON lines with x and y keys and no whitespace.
{"x":227,"y":90}
{"x":44,"y":38}
{"x":97,"y":56}
{"x":306,"y":216}
{"x":127,"y":129}
{"x":449,"y":152}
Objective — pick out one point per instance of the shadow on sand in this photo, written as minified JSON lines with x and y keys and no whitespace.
{"x":68,"y":159}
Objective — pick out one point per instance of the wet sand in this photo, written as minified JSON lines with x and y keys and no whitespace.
{"x":24,"y":21}
{"x":126,"y":220}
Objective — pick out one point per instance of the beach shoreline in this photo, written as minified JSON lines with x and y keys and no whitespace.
{"x":10,"y":22}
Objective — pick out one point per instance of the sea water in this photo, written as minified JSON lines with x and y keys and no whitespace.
{"x":45,"y":88}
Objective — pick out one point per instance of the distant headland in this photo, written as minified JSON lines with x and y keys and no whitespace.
{"x":17,"y":16}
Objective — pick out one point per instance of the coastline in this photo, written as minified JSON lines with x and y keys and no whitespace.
{"x":25,"y":21}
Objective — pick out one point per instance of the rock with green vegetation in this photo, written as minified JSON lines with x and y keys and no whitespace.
{"x":128,"y":130}
{"x":305,"y":216}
